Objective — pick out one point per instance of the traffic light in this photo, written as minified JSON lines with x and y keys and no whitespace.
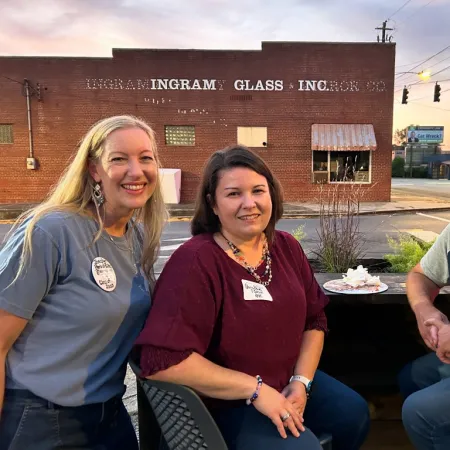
{"x":437,"y":93}
{"x":405,"y":96}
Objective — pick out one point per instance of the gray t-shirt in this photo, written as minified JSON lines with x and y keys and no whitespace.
{"x":74,"y":348}
{"x":435,"y":263}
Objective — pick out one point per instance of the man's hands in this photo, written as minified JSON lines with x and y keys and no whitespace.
{"x":443,"y":347}
{"x":429,"y":319}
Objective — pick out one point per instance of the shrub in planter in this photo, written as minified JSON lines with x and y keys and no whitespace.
{"x":299,"y":232}
{"x":408,"y":253}
{"x":340,"y":244}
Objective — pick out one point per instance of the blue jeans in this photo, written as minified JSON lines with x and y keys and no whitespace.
{"x":425,"y":383}
{"x":30,"y":422}
{"x":333,"y":408}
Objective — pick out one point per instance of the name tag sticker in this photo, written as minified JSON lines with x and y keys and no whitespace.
{"x":104,"y":274}
{"x":255,"y":291}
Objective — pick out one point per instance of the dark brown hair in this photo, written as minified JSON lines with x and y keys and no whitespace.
{"x":204,"y":220}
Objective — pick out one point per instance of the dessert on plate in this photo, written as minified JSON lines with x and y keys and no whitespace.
{"x":357,"y":279}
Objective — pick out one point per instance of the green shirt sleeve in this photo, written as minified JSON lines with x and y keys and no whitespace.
{"x":435,"y":263}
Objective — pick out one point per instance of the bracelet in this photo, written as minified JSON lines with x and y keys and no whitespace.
{"x":255,"y":395}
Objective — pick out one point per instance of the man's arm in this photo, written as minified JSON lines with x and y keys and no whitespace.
{"x":420,"y":289}
{"x":421,"y":292}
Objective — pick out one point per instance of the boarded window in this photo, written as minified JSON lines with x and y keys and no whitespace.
{"x":180,"y":135}
{"x":6,"y":134}
{"x":252,"y":136}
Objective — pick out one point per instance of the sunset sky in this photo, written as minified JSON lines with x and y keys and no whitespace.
{"x":94,"y":27}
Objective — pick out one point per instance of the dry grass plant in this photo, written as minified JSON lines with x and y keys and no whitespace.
{"x":340,"y":243}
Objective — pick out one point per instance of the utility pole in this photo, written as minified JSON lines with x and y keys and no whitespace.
{"x":410,"y":161}
{"x":384,"y":37}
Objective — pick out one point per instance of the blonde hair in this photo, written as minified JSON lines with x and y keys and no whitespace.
{"x":73,"y":193}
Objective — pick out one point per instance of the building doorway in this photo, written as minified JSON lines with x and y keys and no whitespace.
{"x":441,"y":170}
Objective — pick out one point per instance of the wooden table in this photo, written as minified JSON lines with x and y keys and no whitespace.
{"x":372,"y":336}
{"x":396,"y":294}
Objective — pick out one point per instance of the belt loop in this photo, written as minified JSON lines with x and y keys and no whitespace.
{"x":103,"y":412}
{"x":50,"y":405}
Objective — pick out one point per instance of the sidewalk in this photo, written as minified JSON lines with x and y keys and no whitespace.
{"x":400,"y":203}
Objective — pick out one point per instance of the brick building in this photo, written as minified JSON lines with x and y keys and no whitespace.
{"x":316,"y":112}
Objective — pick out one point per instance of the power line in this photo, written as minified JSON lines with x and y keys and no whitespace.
{"x":417,"y":99}
{"x":431,"y":76}
{"x":411,"y":15}
{"x":398,"y":10}
{"x":434,"y":81}
{"x":432,"y":107}
{"x":417,"y":10}
{"x":421,"y":98}
{"x":444,"y":69}
{"x":417,"y":82}
{"x":12,"y":79}
{"x":428,"y":67}
{"x":422,"y":83}
{"x":435,"y":64}
{"x":409,"y":75}
{"x":410,"y":64}
{"x":423,"y":62}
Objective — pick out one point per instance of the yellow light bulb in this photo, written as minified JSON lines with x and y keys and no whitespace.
{"x":425,"y":74}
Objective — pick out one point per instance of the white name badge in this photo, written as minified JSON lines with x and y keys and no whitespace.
{"x":255,"y":291}
{"x":104,"y":274}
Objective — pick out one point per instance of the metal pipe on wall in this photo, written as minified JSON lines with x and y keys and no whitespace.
{"x":30,"y":132}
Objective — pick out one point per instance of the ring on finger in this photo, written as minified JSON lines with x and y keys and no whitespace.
{"x":285,"y":417}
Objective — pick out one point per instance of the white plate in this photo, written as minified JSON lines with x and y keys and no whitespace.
{"x":383,"y":287}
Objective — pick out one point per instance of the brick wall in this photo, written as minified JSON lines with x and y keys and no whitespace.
{"x":76,"y":92}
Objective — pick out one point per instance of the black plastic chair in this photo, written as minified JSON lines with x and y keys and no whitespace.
{"x":173,"y":417}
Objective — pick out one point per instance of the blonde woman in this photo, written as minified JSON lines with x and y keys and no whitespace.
{"x":75,"y":276}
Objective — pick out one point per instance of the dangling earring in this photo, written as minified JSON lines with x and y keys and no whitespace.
{"x":97,"y":195}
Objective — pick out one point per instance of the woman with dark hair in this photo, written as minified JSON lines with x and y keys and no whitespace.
{"x":239,"y":317}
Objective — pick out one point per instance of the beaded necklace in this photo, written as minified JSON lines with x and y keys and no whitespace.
{"x":250,"y":269}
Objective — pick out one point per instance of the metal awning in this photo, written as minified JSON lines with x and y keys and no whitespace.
{"x":343,"y":137}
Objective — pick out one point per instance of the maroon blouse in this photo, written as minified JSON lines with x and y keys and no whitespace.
{"x":199,"y":307}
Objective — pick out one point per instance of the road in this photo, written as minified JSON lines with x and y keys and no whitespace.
{"x":422,"y":187}
{"x":373,"y":229}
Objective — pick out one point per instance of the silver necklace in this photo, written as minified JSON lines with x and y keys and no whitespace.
{"x":127,"y":248}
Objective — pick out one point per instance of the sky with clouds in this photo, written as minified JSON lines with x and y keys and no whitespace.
{"x":94,"y":27}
